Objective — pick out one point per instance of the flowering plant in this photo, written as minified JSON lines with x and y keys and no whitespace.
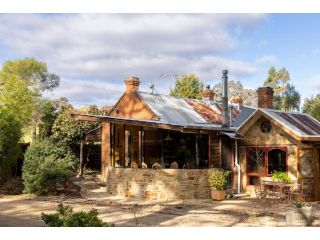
{"x":218,"y":178}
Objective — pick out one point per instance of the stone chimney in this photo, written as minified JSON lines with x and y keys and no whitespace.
{"x":207,"y":94}
{"x":132,"y":84}
{"x":265,"y":97}
{"x":237,"y":101}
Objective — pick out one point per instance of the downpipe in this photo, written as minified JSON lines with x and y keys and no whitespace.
{"x":236,"y":162}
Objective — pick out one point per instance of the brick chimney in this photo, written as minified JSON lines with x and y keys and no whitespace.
{"x":132,"y":84}
{"x":237,"y":101}
{"x":207,"y":94}
{"x":265,"y":97}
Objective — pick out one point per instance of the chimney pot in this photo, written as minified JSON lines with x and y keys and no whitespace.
{"x":265,"y":97}
{"x":238,"y":101}
{"x":132,"y":84}
{"x":207,"y":94}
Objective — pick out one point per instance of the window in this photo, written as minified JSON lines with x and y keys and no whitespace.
{"x":152,"y":147}
{"x":276,"y":161}
{"x":143,"y":147}
{"x":127,"y":148}
{"x":118,"y":140}
{"x":112,"y":143}
{"x":266,"y":127}
{"x":256,"y":161}
{"x":189,"y":151}
{"x":262,"y":161}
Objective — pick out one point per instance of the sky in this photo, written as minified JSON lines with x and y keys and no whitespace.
{"x":94,"y":53}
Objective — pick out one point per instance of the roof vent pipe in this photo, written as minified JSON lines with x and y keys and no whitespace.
{"x":225,"y":98}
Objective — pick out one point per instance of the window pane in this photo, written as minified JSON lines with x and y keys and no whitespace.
{"x":276,"y":161}
{"x":141,"y":148}
{"x":119,"y":145}
{"x":112,"y":144}
{"x":203,"y":141}
{"x":127,"y":148}
{"x":175,"y":149}
{"x":256,"y":163}
{"x":152,"y":151}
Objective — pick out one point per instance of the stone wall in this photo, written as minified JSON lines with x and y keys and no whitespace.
{"x":276,"y":138}
{"x":159,"y":183}
{"x":307,"y":167}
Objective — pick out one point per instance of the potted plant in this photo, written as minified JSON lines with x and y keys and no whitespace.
{"x":281,"y":177}
{"x":299,"y":214}
{"x":218,"y":179}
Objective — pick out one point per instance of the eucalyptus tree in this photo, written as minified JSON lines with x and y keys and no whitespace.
{"x":312,"y":106}
{"x":187,"y":86}
{"x":286,"y":97}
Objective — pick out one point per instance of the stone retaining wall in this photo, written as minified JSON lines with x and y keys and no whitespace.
{"x":159,"y":183}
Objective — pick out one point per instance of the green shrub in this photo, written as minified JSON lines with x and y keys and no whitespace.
{"x":281,"y":177}
{"x":299,"y":204}
{"x":66,"y":217}
{"x":10,"y":132}
{"x":218,"y":178}
{"x":47,"y":164}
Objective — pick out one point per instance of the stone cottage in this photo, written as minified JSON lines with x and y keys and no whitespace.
{"x":162,"y":147}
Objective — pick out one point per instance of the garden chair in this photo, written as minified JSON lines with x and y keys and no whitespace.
{"x":300,"y":191}
{"x":261,"y":199}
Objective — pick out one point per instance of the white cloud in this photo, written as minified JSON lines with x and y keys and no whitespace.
{"x":84,"y":92}
{"x":102,"y":49}
{"x":267,"y":59}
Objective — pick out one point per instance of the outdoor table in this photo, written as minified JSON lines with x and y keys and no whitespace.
{"x":278,"y":187}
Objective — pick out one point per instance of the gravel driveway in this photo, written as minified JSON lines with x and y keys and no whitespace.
{"x":25,"y":210}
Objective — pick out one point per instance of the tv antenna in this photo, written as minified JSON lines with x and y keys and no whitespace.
{"x":153,"y":88}
{"x":175,"y":75}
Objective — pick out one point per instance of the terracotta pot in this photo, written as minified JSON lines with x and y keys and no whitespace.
{"x":218,"y":194}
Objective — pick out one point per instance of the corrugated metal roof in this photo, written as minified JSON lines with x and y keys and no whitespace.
{"x":191,"y":113}
{"x":302,"y":124}
{"x":184,"y":110}
{"x":133,"y":121}
{"x":244,"y":114}
{"x":232,"y":135}
{"x":208,"y":111}
{"x":171,"y":109}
